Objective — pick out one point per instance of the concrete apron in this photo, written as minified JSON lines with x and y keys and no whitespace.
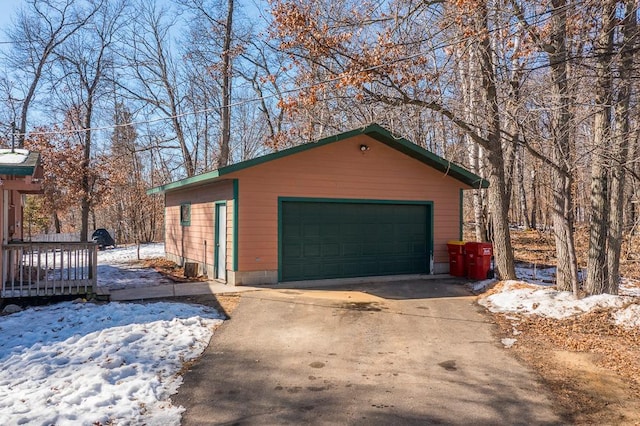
{"x":410,"y":352}
{"x":218,"y":287}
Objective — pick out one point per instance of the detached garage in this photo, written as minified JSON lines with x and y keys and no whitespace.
{"x":361,"y":203}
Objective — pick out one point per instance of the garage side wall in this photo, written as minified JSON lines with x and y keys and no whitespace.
{"x":340,"y":170}
{"x":193,"y":240}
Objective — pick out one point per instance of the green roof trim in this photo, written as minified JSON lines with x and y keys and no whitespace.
{"x":26,"y":168}
{"x":374,"y":131}
{"x":193,"y":180}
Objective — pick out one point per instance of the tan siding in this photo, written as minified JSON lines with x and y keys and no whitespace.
{"x":339,"y":170}
{"x":189,"y":242}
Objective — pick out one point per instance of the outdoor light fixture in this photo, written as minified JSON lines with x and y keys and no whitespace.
{"x":364,"y":148}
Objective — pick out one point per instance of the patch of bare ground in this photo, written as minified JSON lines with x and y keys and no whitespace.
{"x":591,"y":365}
{"x":171,"y":270}
{"x":223,"y":303}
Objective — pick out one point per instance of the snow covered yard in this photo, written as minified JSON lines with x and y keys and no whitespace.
{"x":97,"y":364}
{"x":120,"y":268}
{"x":91,"y":364}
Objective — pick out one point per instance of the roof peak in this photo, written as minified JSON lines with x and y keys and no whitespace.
{"x":372,"y":130}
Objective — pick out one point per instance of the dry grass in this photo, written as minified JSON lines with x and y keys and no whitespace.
{"x":591,"y":365}
{"x":171,"y":270}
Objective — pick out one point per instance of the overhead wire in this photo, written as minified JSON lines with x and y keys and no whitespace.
{"x":545,"y":15}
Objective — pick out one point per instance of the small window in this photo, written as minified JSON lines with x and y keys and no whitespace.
{"x":185,"y":214}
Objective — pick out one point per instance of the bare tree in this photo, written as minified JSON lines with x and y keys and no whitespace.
{"x":154,"y":78}
{"x":384,"y":68}
{"x":41,"y":27}
{"x":84,"y":62}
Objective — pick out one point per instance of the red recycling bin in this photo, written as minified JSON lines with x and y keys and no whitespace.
{"x":456,"y":258}
{"x":478,"y":260}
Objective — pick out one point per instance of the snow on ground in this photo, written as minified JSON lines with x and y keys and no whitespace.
{"x":629,"y":316}
{"x":535,"y":274}
{"x":124,"y":254}
{"x":119,"y":268}
{"x":629,"y":287}
{"x":535,"y":296}
{"x":518,"y":297}
{"x":87,"y":364}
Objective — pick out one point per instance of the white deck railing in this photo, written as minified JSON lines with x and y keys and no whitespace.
{"x":48,"y":269}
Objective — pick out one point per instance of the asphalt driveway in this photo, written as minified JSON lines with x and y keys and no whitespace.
{"x":414,"y":352}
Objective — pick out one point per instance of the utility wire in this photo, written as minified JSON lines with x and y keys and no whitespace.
{"x":545,"y":16}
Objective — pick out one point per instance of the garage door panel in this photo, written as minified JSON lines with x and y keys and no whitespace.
{"x":330,"y":230}
{"x":335,"y":239}
{"x":311,"y":250}
{"x":332,"y":269}
{"x":292,"y":250}
{"x":291,"y":230}
{"x":312,"y":269}
{"x":351,"y":249}
{"x":331,"y":249}
{"x":311,"y":230}
{"x":293,"y":270}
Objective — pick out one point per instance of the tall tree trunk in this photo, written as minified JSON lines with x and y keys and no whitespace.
{"x":522,"y":193}
{"x":468,"y":77}
{"x":225,"y":130}
{"x":85,"y":202}
{"x":497,"y":195}
{"x":562,"y":118}
{"x":620,"y":149}
{"x":597,"y":273}
{"x":534,"y":200}
{"x":56,"y":223}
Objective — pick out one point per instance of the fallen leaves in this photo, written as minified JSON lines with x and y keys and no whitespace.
{"x":171,"y":270}
{"x":610,"y":348}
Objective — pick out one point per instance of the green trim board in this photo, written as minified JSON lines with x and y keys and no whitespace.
{"x":322,"y":238}
{"x":461,"y":225}
{"x":374,"y":131}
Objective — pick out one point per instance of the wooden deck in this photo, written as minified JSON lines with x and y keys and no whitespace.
{"x":41,"y":269}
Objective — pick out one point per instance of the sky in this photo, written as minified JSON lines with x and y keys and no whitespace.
{"x":7,"y":10}
{"x":253,"y":8}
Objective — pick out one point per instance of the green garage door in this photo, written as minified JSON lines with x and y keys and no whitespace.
{"x":348,"y":239}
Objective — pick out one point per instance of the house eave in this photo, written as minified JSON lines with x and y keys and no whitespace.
{"x":374,"y":131}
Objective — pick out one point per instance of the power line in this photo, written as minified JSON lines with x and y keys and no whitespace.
{"x":338,"y":77}
{"x":231,"y":105}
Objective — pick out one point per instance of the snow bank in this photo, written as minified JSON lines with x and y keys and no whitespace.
{"x":628,"y":317}
{"x":123,"y":254}
{"x":84,"y":364}
{"x":528,"y":299}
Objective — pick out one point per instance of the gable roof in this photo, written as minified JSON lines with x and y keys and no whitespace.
{"x":374,"y":131}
